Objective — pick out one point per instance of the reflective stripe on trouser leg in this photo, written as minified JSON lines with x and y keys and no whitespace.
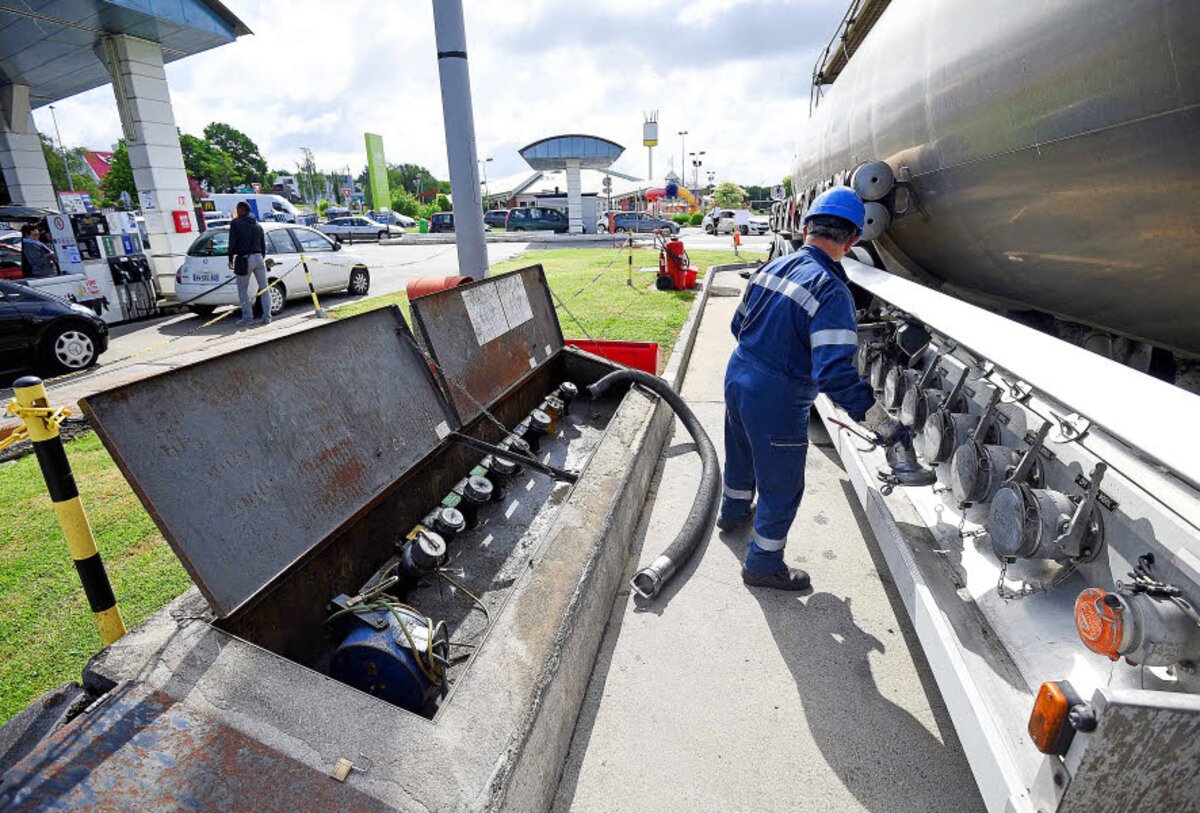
{"x":737,"y":494}
{"x":768,"y":544}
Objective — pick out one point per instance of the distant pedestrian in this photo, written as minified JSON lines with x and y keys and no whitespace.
{"x":247,"y":245}
{"x":37,"y":259}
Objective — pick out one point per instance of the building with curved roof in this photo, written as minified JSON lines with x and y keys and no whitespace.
{"x":572,"y":152}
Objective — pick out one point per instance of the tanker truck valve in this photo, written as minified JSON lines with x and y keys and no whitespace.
{"x":903,"y":467}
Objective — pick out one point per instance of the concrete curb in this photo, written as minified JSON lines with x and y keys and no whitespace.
{"x":506,"y":237}
{"x":677,"y":366}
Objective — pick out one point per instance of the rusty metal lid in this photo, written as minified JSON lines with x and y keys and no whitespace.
{"x":250,"y":460}
{"x":489,"y":336}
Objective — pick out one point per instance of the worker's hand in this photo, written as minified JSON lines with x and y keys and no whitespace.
{"x":886,"y":428}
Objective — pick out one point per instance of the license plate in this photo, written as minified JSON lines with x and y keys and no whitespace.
{"x":201,"y":277}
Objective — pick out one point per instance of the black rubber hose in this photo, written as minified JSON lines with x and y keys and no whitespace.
{"x":649,"y":580}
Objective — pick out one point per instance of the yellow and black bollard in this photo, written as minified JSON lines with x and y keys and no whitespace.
{"x":311,"y":289}
{"x":629,"y":273}
{"x":32,"y":404}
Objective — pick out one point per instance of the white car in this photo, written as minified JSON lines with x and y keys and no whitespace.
{"x":350,"y":229}
{"x":724,"y":221}
{"x":205,"y":282}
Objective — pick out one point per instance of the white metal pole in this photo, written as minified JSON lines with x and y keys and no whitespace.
{"x":451,"y":36}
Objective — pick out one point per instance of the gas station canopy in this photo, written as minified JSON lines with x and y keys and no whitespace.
{"x":51,"y":45}
{"x":590,"y":151}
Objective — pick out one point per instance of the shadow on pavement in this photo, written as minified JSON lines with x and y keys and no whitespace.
{"x":882,"y":754}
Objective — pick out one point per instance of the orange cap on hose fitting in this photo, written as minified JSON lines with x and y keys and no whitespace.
{"x":1100,"y":623}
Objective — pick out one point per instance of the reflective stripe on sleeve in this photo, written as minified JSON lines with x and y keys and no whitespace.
{"x":819,"y":338}
{"x":768,"y":544}
{"x":789,"y":289}
{"x":737,"y":493}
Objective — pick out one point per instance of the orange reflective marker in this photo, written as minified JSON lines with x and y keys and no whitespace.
{"x":1049,"y":727}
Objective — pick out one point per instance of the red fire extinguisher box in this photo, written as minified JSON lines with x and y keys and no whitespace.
{"x":183,"y":221}
{"x":645,"y":356}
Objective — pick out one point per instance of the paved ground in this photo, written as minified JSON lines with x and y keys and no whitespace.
{"x":716,"y":697}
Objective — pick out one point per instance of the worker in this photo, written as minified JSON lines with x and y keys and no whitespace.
{"x":797,"y":337}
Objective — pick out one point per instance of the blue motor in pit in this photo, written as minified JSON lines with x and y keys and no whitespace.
{"x":390,"y":652}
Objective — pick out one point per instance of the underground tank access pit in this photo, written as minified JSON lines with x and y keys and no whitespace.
{"x":319,"y":492}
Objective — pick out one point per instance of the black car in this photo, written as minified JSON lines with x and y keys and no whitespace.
{"x":495,"y":218}
{"x":41,"y":332}
{"x":441,"y":222}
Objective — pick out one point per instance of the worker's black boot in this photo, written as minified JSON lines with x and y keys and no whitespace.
{"x":790,"y":578}
{"x":729,"y":523}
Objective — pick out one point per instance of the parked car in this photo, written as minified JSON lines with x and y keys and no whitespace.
{"x":496,"y":218}
{"x":393,"y":218}
{"x":42,"y":332}
{"x":759,"y":224}
{"x":444,"y":222}
{"x":11,"y":238}
{"x":724,"y":221}
{"x":441,"y":222}
{"x":205,"y":282}
{"x":636,"y":222}
{"x":10,"y":262}
{"x":350,"y":229}
{"x":536,"y":218}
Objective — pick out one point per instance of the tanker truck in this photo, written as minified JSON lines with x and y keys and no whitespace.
{"x":1028,"y":298}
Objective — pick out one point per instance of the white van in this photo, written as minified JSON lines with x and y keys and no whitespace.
{"x":265,"y":208}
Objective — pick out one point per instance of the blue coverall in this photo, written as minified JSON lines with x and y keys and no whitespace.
{"x":797,"y":336}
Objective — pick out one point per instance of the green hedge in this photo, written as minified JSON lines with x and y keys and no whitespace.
{"x":696,"y":219}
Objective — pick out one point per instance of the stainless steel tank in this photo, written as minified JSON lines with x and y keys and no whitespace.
{"x":1053,"y":146}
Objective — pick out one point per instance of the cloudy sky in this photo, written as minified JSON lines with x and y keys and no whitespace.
{"x":733,"y":73}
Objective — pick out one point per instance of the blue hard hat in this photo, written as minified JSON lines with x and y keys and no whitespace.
{"x":841,"y":201}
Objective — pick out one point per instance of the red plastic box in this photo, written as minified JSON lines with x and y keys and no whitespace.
{"x":638,"y":355}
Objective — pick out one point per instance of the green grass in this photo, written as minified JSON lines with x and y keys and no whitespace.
{"x":47,"y":632}
{"x":591,"y":282}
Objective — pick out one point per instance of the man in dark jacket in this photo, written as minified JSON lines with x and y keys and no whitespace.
{"x":247,"y":245}
{"x":37,"y":258}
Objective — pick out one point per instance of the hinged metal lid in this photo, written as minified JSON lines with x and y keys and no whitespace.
{"x":488,"y":336}
{"x":248,"y":461}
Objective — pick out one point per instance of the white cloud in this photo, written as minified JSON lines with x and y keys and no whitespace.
{"x":733,"y":74}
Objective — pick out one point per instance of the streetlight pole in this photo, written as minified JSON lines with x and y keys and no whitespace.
{"x":682,"y":166}
{"x":61,"y":148}
{"x":483,"y":162}
{"x":696,"y":164}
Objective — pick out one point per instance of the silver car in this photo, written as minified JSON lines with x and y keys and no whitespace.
{"x":349,"y":229}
